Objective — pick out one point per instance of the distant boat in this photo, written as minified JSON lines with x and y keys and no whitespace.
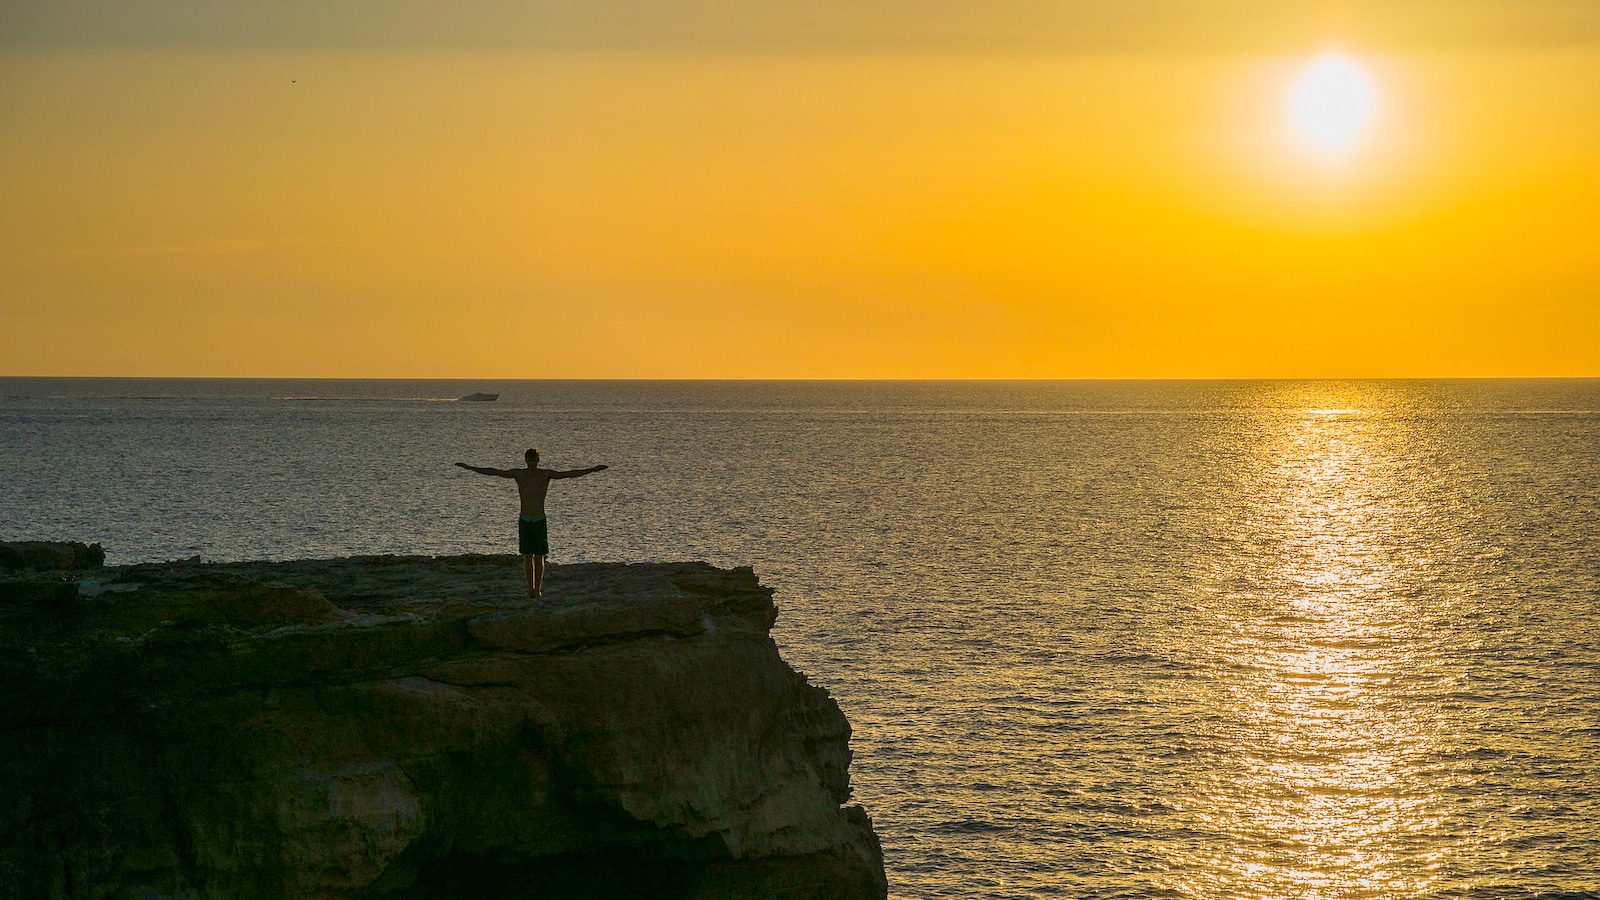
{"x":480,"y":397}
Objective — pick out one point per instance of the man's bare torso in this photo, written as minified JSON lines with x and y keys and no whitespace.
{"x":532,"y":486}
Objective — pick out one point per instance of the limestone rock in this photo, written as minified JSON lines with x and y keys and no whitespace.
{"x":390,"y":727}
{"x":50,"y":555}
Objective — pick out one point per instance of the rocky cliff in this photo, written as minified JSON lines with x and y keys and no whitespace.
{"x":407,"y":727}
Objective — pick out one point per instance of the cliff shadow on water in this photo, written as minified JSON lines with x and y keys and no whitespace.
{"x":405,"y":727}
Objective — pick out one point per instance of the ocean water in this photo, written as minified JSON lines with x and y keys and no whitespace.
{"x":1096,"y":639}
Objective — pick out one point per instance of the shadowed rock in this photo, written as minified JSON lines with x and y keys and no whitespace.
{"x":50,"y":555}
{"x":388,"y":727}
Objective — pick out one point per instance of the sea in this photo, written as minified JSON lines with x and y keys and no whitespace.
{"x":1097,"y":639}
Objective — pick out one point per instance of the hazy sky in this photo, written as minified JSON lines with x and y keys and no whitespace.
{"x":821,"y":189}
{"x":781,"y":26}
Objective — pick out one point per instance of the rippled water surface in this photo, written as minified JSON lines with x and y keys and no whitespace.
{"x":1159,"y":639}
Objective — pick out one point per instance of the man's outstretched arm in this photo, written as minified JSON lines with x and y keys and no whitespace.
{"x":577,"y":473}
{"x":503,"y":473}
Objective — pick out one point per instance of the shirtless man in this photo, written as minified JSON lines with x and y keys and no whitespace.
{"x":532,"y":535}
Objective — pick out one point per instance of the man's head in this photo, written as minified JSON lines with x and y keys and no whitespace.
{"x":532,"y":456}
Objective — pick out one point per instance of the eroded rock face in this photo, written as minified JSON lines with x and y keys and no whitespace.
{"x":407,"y":727}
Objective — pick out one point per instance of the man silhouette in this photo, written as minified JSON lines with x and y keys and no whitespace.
{"x":533,"y":540}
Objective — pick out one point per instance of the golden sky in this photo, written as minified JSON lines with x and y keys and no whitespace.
{"x":738,"y":188}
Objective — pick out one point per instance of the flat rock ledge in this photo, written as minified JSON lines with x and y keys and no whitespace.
{"x":409,"y":727}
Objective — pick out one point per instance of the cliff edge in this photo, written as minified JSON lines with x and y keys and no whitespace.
{"x":405,"y":727}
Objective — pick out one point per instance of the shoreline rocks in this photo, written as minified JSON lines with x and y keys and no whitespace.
{"x":54,"y":556}
{"x":397,"y":727}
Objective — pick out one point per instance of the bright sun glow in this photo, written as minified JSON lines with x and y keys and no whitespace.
{"x":1332,"y":103}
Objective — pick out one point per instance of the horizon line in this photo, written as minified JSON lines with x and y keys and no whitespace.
{"x":828,"y":379}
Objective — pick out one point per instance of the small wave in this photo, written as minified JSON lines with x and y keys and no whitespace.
{"x":969,"y":826}
{"x":103,"y":398}
{"x":1500,"y":892}
{"x":366,"y":399}
{"x":1545,"y":412}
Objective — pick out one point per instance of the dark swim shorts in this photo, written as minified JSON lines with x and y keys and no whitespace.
{"x":533,"y":537}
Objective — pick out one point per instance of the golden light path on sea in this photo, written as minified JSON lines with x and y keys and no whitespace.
{"x":1326,"y":788}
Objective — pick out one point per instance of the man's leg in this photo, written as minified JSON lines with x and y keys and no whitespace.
{"x":527,"y":569}
{"x":538,"y":576}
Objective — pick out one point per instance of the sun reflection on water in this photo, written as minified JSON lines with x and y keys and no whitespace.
{"x":1319,"y":790}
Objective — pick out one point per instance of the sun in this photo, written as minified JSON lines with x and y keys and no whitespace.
{"x":1332,"y":104}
